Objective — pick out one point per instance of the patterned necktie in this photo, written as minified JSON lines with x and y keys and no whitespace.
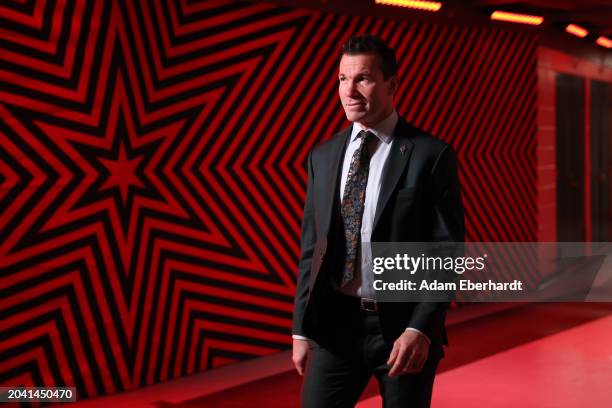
{"x":353,"y":203}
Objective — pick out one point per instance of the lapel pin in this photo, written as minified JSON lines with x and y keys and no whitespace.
{"x":403,"y":149}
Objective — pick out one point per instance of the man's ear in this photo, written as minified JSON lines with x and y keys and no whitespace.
{"x":393,"y":84}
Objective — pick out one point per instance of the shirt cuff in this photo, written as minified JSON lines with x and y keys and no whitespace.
{"x":298,"y":337}
{"x":420,"y":332}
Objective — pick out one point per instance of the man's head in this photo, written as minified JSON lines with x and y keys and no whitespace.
{"x":367,"y":79}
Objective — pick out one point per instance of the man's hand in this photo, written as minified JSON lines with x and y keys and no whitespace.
{"x":409,"y":353}
{"x":300,"y":354}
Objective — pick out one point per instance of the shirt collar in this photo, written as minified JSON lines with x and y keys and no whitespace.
{"x":383,"y":130}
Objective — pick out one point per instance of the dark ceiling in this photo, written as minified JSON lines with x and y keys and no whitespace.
{"x":595,"y":15}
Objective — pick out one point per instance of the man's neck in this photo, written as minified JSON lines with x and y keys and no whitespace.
{"x":383,"y":129}
{"x":373,"y":124}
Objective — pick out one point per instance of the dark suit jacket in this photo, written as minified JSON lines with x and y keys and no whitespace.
{"x":419,"y":201}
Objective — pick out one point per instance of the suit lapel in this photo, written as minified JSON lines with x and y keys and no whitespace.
{"x":337,"y":150}
{"x":401,"y":149}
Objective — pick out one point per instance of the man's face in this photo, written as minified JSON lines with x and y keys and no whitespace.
{"x":366,"y":97}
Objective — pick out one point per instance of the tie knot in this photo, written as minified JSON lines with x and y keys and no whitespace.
{"x":365,"y":135}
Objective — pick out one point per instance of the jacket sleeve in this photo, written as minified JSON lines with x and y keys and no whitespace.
{"x":428,"y":317}
{"x":308,"y":240}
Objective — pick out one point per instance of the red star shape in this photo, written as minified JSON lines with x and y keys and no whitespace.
{"x":122,"y":173}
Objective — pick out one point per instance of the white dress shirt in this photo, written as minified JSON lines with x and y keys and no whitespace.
{"x":379,"y":148}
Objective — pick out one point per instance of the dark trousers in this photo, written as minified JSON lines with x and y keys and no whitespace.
{"x":336,"y":377}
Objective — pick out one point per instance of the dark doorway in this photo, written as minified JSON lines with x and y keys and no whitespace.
{"x":570,"y":157}
{"x":600,"y":161}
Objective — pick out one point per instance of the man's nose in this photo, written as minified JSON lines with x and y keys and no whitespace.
{"x":351,"y":89}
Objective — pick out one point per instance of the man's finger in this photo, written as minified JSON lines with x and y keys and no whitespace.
{"x":393,"y":355}
{"x":421,"y":362}
{"x":300,"y":369}
{"x":418,"y":361}
{"x":300,"y":365}
{"x":412,"y":362}
{"x":400,"y":361}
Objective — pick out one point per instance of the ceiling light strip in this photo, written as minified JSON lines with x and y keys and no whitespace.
{"x":604,"y":42}
{"x":517,"y":18}
{"x":577,"y":30}
{"x":415,"y":4}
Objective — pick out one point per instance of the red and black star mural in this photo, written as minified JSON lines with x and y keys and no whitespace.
{"x":152,"y":172}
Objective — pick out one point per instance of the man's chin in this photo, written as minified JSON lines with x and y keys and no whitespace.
{"x":355,"y":116}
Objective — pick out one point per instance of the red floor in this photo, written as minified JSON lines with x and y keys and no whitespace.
{"x":570,"y":369}
{"x":533,"y":355}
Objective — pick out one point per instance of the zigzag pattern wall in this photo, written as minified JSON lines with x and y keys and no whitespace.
{"x":152,"y":172}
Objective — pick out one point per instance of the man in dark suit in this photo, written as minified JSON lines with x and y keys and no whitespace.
{"x":380,"y":180}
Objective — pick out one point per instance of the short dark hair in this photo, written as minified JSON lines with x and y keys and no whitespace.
{"x":369,"y":44}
